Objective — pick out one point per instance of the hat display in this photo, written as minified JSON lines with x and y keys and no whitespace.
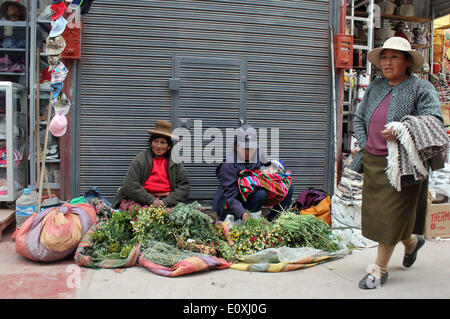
{"x":55,"y":46}
{"x":61,"y":104}
{"x":163,"y":128}
{"x":246,"y":137}
{"x":56,"y":89}
{"x":58,"y":27}
{"x":400,"y":44}
{"x":59,"y":74}
{"x":4,"y":9}
{"x":58,"y":125}
{"x":57,"y":10}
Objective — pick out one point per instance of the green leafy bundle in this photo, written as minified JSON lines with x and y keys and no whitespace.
{"x":190,"y":223}
{"x":114,"y":239}
{"x":165,"y":254}
{"x":306,"y":231}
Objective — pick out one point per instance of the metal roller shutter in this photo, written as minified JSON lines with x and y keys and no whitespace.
{"x":281,"y":48}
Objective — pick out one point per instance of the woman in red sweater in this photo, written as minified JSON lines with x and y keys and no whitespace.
{"x":153,"y":178}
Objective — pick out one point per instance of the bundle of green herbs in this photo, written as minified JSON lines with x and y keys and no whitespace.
{"x":306,"y":231}
{"x":113,"y":239}
{"x":290,"y":229}
{"x":165,"y":254}
{"x":190,"y":223}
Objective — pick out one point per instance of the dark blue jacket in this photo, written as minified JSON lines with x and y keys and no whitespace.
{"x":227,"y":173}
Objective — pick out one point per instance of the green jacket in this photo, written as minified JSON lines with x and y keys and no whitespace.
{"x":138,"y":172}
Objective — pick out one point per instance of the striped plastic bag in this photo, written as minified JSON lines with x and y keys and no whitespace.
{"x":55,"y":232}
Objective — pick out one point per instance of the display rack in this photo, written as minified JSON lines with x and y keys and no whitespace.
{"x":13,"y":140}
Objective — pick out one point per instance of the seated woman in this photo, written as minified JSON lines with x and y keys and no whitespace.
{"x":245,"y":156}
{"x":153,"y":178}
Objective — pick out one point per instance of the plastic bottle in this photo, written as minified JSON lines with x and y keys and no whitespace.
{"x":26,"y":205}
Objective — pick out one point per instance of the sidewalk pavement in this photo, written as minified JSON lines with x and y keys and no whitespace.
{"x":428,"y":278}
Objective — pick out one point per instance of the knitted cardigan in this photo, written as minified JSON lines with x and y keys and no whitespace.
{"x":138,"y":172}
{"x":413,"y":96}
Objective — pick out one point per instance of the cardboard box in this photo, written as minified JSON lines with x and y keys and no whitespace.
{"x":438,"y":220}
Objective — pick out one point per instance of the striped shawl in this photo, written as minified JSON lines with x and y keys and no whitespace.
{"x":419,"y":138}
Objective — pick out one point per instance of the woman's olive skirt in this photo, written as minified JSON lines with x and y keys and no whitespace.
{"x":389,"y":216}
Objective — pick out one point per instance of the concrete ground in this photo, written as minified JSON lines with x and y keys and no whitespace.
{"x":429,"y":278}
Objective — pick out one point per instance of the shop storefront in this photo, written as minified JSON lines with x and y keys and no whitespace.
{"x":199,"y":64}
{"x":202,"y":65}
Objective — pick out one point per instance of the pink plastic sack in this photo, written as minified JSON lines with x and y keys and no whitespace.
{"x":55,"y":232}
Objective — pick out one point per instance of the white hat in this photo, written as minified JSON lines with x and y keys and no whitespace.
{"x":399,"y":44}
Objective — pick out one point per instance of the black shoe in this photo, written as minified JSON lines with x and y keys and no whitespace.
{"x":409,"y":259}
{"x":370,"y":282}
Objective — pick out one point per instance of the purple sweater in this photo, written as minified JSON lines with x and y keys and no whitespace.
{"x":376,"y":144}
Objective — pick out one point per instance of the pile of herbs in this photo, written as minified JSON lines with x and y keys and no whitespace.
{"x":113,"y":239}
{"x":165,"y":254}
{"x":186,"y":231}
{"x":290,"y":229}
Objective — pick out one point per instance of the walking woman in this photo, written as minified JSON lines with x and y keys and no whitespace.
{"x":388,"y":215}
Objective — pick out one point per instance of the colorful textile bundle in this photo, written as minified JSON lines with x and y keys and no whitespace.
{"x":276,"y":185}
{"x":186,"y":266}
{"x":54,"y":233}
{"x":287,"y":259}
{"x":280,"y":267}
{"x":419,"y":138}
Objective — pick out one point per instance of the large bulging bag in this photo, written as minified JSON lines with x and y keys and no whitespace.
{"x":314,"y":202}
{"x":55,"y":232}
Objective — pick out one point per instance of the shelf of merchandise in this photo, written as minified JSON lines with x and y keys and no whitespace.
{"x":14,"y":173}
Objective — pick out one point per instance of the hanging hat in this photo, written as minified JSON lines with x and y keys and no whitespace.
{"x":75,"y":4}
{"x":61,"y":104}
{"x":55,"y":46}
{"x":58,"y":125}
{"x":59,"y":74}
{"x":399,"y":44}
{"x":57,"y":10}
{"x":163,"y":128}
{"x":56,"y":89}
{"x":58,"y":27}
{"x":22,"y":8}
{"x":57,"y":1}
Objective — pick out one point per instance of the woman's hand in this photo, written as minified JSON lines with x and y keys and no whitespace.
{"x":245,"y":216}
{"x":388,"y":134}
{"x":355,"y":150}
{"x":157,"y":202}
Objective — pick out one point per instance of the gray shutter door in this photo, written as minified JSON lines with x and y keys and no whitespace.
{"x":127,"y":72}
{"x":207,"y":94}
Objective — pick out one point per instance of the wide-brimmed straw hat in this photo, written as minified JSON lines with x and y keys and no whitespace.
{"x":163,"y":128}
{"x":399,"y":44}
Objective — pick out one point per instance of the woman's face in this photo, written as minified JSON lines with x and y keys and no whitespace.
{"x":160,"y":146}
{"x":394,"y":65}
{"x":246,"y":153}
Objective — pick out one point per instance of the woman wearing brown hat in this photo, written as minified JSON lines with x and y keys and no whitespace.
{"x":153,"y":178}
{"x":389,"y":216}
